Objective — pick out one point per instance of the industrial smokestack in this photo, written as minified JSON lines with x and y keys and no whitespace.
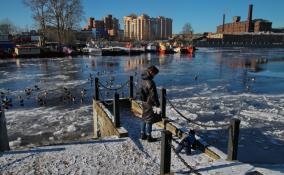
{"x":249,"y":20}
{"x":223,"y":27}
{"x":250,"y":12}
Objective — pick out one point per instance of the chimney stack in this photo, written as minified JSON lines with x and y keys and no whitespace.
{"x":249,"y":20}
{"x":223,"y":27}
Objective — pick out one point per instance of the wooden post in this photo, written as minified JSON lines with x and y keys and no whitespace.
{"x":131,"y":87}
{"x":233,"y":139}
{"x":163,"y":102}
{"x":165,"y":167}
{"x":116,"y":110}
{"x":4,"y":142}
{"x":165,"y":121}
{"x":97,"y":89}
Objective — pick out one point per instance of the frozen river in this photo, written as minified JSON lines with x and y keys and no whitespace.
{"x":212,"y":86}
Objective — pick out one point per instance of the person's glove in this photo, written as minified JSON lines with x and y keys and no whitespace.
{"x":157,"y":110}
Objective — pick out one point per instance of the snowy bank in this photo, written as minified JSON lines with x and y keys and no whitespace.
{"x":115,"y":156}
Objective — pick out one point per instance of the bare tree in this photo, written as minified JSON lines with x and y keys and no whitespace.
{"x":39,"y":10}
{"x":187,"y":29}
{"x":65,"y":15}
{"x":62,"y":15}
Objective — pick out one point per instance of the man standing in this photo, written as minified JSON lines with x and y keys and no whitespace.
{"x":150,"y":100}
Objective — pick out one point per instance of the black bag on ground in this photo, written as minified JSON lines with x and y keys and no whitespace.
{"x":157,"y":118}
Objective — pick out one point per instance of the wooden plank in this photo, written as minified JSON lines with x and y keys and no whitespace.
{"x":104,"y":121}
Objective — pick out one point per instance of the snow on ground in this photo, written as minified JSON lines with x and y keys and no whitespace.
{"x":107,"y":156}
{"x":114,"y":156}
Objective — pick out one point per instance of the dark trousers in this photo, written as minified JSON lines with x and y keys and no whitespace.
{"x":146,"y":128}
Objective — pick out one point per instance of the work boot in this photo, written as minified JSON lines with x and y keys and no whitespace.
{"x":143,"y":136}
{"x":151,"y":139}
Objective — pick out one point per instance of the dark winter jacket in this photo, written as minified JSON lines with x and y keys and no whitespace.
{"x":149,"y":96}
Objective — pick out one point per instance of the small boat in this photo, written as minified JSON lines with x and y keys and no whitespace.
{"x":67,"y":50}
{"x":165,"y":49}
{"x":132,"y":50}
{"x":92,"y":51}
{"x":114,"y":51}
{"x":26,"y":50}
{"x":190,"y":49}
{"x":185,"y":50}
{"x":152,"y":48}
{"x":177,"y":49}
{"x":136,"y":50}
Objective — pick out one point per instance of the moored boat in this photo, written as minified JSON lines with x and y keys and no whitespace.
{"x":165,"y":49}
{"x":152,"y":48}
{"x":132,"y":50}
{"x":114,"y":51}
{"x":27,"y":51}
{"x":136,"y":50}
{"x":92,"y":51}
{"x":185,"y":50}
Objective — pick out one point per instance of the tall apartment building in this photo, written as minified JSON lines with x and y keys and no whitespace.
{"x":146,"y":28}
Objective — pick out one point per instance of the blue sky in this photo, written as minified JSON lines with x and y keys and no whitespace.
{"x":204,"y":15}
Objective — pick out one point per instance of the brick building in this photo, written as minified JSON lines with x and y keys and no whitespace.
{"x":249,"y":33}
{"x":250,"y":25}
{"x":107,"y":28}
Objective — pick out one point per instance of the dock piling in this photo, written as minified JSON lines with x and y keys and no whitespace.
{"x":116,"y":110}
{"x":163,"y":102}
{"x":97,"y":89}
{"x":131,"y":87}
{"x":233,"y":139}
{"x":165,"y":166}
{"x":4,"y":142}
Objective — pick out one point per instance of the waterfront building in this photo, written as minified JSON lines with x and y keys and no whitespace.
{"x":246,"y":39}
{"x":146,"y":28}
{"x":250,"y":25}
{"x":249,"y":33}
{"x":107,"y":28}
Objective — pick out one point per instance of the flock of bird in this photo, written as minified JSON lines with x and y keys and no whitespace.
{"x":41,"y":96}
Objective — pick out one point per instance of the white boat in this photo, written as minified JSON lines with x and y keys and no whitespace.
{"x":151,"y":47}
{"x":92,"y":51}
{"x":27,"y":50}
{"x":177,"y":50}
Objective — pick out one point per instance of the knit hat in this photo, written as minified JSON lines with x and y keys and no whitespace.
{"x":154,"y":69}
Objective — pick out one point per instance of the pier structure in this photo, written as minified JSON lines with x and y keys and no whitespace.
{"x":107,"y":122}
